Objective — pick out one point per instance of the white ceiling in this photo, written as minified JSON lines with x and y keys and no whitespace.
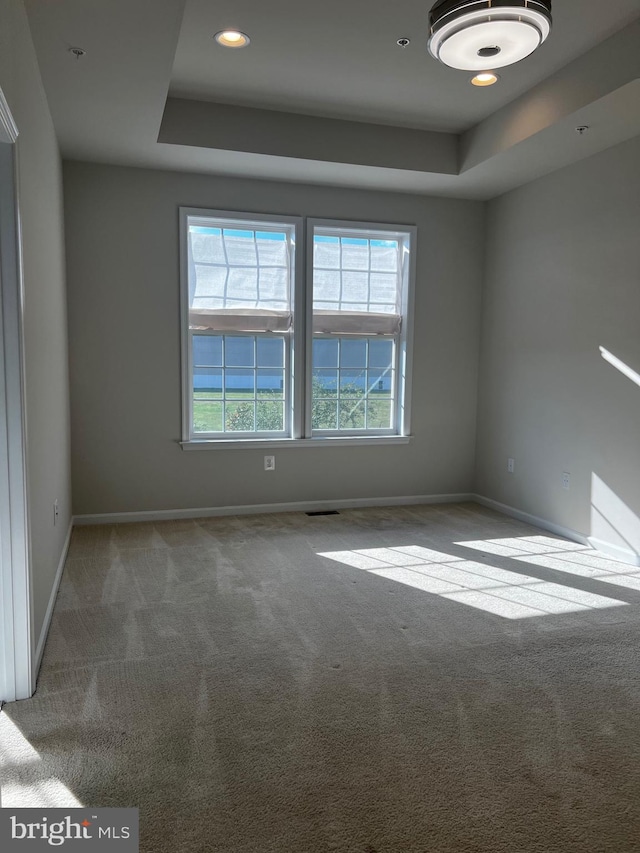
{"x":339,"y":58}
{"x":333,"y":60}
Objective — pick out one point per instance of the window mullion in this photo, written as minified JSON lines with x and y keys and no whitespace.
{"x":305,"y":332}
{"x":355,"y":245}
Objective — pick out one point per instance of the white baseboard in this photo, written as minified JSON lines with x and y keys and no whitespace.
{"x":624,"y":555}
{"x":255,"y":509}
{"x":534,"y":520}
{"x":37,"y":660}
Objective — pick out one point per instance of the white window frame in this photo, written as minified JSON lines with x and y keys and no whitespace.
{"x":292,"y":391}
{"x":299,"y":356}
{"x":287,"y":389}
{"x":407,"y":237}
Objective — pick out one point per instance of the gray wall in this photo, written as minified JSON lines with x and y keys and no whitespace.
{"x":122,"y":248}
{"x":45,"y":340}
{"x":563,"y":280}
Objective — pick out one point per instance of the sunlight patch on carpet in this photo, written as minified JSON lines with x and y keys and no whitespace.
{"x":21,"y":774}
{"x":484,"y":587}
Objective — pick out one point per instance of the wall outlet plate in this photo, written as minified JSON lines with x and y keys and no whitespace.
{"x":269,"y":463}
{"x":511,"y":465}
{"x":566,"y":480}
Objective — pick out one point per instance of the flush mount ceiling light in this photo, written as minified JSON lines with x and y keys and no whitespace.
{"x":232,"y":38}
{"x":477,"y":35}
{"x":485,"y":78}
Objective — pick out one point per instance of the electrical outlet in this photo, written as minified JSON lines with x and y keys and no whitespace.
{"x":566,"y":480}
{"x":511,"y":465}
{"x":269,"y":463}
{"x":56,"y":512}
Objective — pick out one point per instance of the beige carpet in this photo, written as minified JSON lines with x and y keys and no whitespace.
{"x":379,"y":681}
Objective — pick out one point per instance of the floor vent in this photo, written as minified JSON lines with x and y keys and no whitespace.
{"x":324,"y":512}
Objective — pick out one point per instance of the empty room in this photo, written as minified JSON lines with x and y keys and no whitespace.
{"x":320,"y":426}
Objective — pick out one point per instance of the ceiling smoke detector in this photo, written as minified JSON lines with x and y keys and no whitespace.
{"x":478,"y":35}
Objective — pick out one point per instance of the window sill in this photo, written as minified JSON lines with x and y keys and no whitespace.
{"x":272,"y":443}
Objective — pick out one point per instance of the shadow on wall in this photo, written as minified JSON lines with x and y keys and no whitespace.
{"x":615,"y":526}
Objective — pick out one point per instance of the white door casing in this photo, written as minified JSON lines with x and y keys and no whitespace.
{"x":16,"y":641}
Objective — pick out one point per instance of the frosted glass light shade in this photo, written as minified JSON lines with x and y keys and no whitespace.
{"x":475,"y":36}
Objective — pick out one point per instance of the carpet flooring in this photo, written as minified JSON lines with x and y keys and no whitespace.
{"x":407,"y":680}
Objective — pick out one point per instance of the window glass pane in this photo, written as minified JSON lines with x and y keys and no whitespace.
{"x":356,"y":274}
{"x":325,"y":382}
{"x":270,"y":352}
{"x":207,"y":416}
{"x":272,"y":248}
{"x":240,"y":286}
{"x":352,"y":383}
{"x":326,"y":289}
{"x":379,"y":381}
{"x":240,"y":247}
{"x":239,"y":383}
{"x":240,"y":417}
{"x":207,"y":382}
{"x":324,"y":414}
{"x":366,"y":394}
{"x":325,"y":352}
{"x":207,"y":350}
{"x":355,"y":291}
{"x":352,"y":414}
{"x":239,"y":352}
{"x":355,"y":254}
{"x":384,"y":255}
{"x":237,"y":268}
{"x":382,"y":293}
{"x":326,"y":252}
{"x":380,"y":353}
{"x":270,"y":382}
{"x":379,"y":413}
{"x":270,"y":416}
{"x":240,"y":386}
{"x":272,"y":288}
{"x":353,"y":353}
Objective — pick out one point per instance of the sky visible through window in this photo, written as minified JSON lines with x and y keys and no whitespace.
{"x":243,"y":324}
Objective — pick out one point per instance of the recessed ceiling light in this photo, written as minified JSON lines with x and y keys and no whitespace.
{"x":232,"y":38}
{"x":485,"y":78}
{"x":476,"y":35}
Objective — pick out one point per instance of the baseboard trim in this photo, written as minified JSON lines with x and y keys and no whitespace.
{"x":534,"y":520}
{"x":256,"y":509}
{"x":52,"y":600}
{"x":624,"y":555}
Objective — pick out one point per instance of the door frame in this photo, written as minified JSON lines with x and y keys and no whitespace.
{"x":16,"y":631}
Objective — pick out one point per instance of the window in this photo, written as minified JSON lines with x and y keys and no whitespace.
{"x":270,"y":356}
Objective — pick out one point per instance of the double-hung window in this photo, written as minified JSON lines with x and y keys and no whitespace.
{"x":287,"y":339}
{"x":360,"y":292}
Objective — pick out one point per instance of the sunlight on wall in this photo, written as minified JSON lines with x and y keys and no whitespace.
{"x":495,"y":590}
{"x":21,"y":774}
{"x":613,"y":523}
{"x":613,"y":360}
